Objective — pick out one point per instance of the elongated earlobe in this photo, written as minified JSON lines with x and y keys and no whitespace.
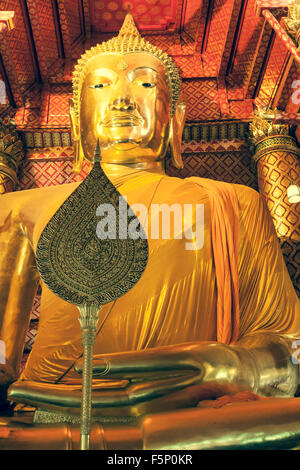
{"x":78,"y":153}
{"x":78,"y":157}
{"x":176,"y":130}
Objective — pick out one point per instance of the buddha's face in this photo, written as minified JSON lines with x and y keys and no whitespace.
{"x":125,"y":102}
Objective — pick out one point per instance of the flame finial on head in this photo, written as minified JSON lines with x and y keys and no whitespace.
{"x":129,"y":26}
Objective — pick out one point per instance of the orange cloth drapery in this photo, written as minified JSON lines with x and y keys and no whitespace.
{"x":225,"y":242}
{"x":183,"y":295}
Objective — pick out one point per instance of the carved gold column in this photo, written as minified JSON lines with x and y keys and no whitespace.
{"x":11,"y":153}
{"x":292,"y":22}
{"x":277,"y":158}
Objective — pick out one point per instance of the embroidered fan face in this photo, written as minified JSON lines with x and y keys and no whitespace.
{"x":74,"y":262}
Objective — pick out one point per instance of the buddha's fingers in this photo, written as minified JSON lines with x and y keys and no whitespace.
{"x":142,"y":393}
{"x":165,"y":361}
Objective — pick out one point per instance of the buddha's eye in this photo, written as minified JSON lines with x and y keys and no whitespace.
{"x":148,"y":85}
{"x":100,"y":85}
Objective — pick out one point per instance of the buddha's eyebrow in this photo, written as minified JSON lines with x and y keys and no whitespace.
{"x":135,"y":72}
{"x":100,"y":72}
{"x":144,"y":68}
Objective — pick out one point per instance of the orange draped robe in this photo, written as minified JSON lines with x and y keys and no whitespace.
{"x":235,"y":285}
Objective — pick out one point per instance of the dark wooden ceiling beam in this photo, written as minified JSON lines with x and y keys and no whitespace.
{"x":27,"y":24}
{"x":285,"y":70}
{"x":87,"y":18}
{"x":38,"y":38}
{"x":179,"y":15}
{"x":257,"y":69}
{"x":264,"y":65}
{"x":60,"y":42}
{"x":278,"y":95}
{"x":209,"y":15}
{"x":64,"y":28}
{"x":220,"y":32}
{"x":204,"y":14}
{"x":228,"y":67}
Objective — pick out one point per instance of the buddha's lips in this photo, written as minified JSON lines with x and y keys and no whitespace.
{"x":121,"y":119}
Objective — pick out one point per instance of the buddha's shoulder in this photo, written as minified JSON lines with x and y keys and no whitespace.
{"x":26,"y":200}
{"x":251,"y":202}
{"x":245,"y":194}
{"x":36,"y":193}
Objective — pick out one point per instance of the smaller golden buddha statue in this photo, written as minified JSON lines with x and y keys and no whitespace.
{"x":201,"y":323}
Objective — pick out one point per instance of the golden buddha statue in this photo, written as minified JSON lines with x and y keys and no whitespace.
{"x":201,"y":323}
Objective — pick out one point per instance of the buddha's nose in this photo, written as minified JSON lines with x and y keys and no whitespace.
{"x":122,"y":99}
{"x":122,"y":104}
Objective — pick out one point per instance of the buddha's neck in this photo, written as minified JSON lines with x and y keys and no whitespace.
{"x":116,"y":169}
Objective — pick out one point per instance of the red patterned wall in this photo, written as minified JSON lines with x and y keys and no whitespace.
{"x":274,"y":70}
{"x":255,"y":70}
{"x":51,"y":109}
{"x":202,"y":99}
{"x":73,"y":14}
{"x":19,"y":46}
{"x":232,"y":167}
{"x":218,"y":29}
{"x":48,"y":31}
{"x":287,"y":89}
{"x":149,"y":14}
{"x":194,"y":18}
{"x":248,"y":42}
{"x":49,"y":167}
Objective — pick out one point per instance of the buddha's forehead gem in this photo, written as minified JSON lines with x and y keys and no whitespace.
{"x":122,"y":65}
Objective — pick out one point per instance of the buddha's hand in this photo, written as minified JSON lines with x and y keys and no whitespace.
{"x":184,"y":373}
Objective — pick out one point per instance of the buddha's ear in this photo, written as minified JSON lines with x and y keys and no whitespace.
{"x":176,"y":130}
{"x":78,"y":152}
